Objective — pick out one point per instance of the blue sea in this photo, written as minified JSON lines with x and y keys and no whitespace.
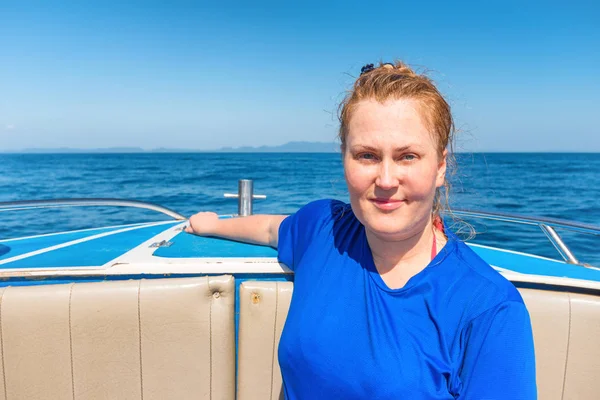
{"x":565,"y":186}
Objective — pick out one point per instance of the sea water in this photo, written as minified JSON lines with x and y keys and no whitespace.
{"x":555,"y":185}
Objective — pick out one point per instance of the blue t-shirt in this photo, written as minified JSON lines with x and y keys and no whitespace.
{"x":457,"y":329}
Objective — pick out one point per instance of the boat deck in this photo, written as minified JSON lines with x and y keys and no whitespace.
{"x":134,"y":249}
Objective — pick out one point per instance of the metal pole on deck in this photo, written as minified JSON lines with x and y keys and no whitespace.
{"x":245,"y":197}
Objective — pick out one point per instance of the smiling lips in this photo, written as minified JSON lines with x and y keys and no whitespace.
{"x":386,"y":204}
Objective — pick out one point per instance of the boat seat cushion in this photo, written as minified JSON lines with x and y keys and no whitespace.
{"x":582,"y":378}
{"x":566,"y":328}
{"x":549,"y":313}
{"x":151,"y":339}
{"x":263,"y":310}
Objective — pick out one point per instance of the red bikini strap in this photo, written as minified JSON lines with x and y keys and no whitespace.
{"x":437,"y":224}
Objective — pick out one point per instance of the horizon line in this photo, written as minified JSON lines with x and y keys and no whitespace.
{"x":200,"y":151}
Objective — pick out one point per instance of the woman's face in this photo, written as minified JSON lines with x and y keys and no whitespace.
{"x":392,"y":168}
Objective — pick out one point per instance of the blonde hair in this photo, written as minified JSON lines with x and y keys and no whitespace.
{"x":398,"y":81}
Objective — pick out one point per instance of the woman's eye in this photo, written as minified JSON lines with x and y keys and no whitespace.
{"x":367,"y":156}
{"x":409,"y":157}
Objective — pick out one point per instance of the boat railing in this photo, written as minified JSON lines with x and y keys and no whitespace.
{"x":84,"y":202}
{"x":547,"y":225}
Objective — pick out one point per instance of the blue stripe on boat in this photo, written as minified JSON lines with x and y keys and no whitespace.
{"x":537,"y":266}
{"x":13,"y":248}
{"x":91,"y":253}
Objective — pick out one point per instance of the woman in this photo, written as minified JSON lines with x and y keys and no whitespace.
{"x":388,"y":303}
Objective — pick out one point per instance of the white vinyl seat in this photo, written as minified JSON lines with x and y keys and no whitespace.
{"x":175,"y":339}
{"x":263,"y":310}
{"x":137,"y":339}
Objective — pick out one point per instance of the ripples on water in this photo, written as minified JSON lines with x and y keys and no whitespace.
{"x":565,"y":186}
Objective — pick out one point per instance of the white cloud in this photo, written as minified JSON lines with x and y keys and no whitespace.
{"x":9,"y":127}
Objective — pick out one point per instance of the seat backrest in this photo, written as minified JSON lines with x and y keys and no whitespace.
{"x":263,"y":310}
{"x":566,"y":328}
{"x":582,"y":377}
{"x":549,"y":313}
{"x":151,"y":339}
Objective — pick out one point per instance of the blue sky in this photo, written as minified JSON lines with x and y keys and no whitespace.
{"x":520,"y":76}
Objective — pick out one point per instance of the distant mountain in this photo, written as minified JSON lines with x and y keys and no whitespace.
{"x":69,"y":150}
{"x":290,"y":147}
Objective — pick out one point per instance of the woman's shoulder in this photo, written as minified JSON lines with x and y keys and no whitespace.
{"x":484,"y":285}
{"x":312,"y":225}
{"x":322,"y":210}
{"x":323,"y":206}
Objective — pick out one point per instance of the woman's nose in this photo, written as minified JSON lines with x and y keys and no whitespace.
{"x":387,"y":178}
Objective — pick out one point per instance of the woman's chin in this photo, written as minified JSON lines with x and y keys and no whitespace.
{"x":388,"y":231}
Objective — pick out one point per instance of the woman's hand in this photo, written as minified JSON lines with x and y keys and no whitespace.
{"x":203,"y":223}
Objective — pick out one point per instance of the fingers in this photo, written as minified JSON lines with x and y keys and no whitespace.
{"x":202,"y":222}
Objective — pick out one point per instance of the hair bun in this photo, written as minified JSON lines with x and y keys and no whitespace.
{"x":367,"y":68}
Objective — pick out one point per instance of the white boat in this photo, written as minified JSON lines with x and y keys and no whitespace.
{"x":146,"y":311}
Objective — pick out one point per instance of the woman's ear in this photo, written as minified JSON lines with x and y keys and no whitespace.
{"x":441,"y":170}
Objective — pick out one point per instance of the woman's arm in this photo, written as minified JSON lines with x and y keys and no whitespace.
{"x":499,"y":360}
{"x":256,"y":229}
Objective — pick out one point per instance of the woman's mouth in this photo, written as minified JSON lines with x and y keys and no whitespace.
{"x":386,"y":204}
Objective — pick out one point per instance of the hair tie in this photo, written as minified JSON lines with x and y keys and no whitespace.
{"x":367,"y":68}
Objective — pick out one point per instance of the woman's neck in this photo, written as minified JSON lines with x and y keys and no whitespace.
{"x":414,"y":252}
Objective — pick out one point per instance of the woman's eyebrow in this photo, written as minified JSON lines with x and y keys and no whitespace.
{"x":373,"y":149}
{"x":364,"y":147}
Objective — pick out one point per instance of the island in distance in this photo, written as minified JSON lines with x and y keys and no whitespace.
{"x":290,"y":147}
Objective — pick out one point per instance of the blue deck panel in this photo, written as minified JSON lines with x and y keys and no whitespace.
{"x":186,"y":245}
{"x":92,"y":253}
{"x":13,"y":248}
{"x":536,"y":266}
